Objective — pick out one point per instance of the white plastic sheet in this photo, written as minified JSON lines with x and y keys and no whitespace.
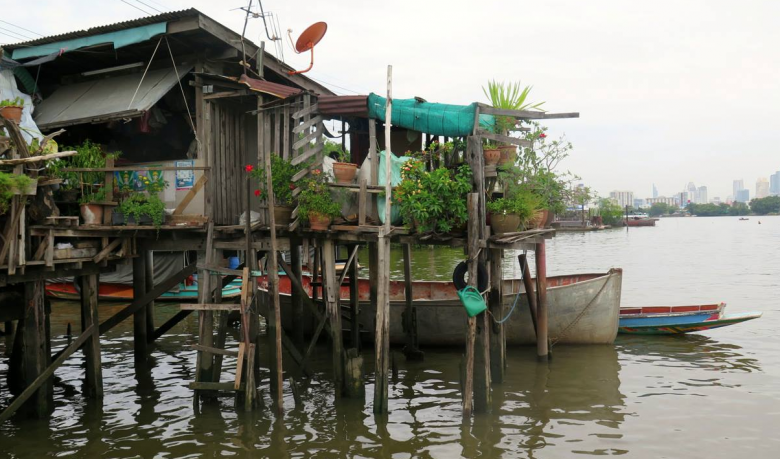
{"x":9,"y":90}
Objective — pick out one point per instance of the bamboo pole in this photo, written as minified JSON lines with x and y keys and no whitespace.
{"x":542,"y":345}
{"x":473,"y":247}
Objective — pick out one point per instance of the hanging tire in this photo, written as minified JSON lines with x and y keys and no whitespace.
{"x":459,"y":276}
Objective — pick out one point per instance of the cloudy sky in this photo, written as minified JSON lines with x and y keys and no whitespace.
{"x":669,"y":91}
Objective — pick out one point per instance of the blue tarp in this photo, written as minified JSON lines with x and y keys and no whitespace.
{"x":118,"y":39}
{"x":437,"y":119}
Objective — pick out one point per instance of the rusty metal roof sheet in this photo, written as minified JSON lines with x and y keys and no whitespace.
{"x":275,"y":89}
{"x":343,"y":106}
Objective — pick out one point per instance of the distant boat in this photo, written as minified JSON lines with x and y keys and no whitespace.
{"x":639,"y":221}
{"x":743,"y":218}
{"x":672,"y":320}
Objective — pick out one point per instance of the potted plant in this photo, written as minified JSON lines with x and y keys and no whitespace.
{"x":140,"y":209}
{"x":508,"y":96}
{"x":91,"y":207}
{"x":315,"y":203}
{"x":433,"y":201}
{"x":492,"y":153}
{"x":11,"y":109}
{"x":343,"y":170}
{"x":12,"y":184}
{"x":282,"y":172}
{"x":510,"y":212}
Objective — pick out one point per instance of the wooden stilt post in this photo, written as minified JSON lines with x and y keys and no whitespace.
{"x":298,"y":313}
{"x":382,"y":334}
{"x":530,"y":291}
{"x":354,"y":303}
{"x":498,"y":311}
{"x":353,"y":374}
{"x":205,"y":360}
{"x":273,"y":280}
{"x":149,"y":279}
{"x":139,"y":317}
{"x":471,"y":334}
{"x":222,"y":318}
{"x":9,"y":336}
{"x":333,"y":310}
{"x":34,"y":356}
{"x":542,"y":345}
{"x":411,"y":350}
{"x":89,"y":310}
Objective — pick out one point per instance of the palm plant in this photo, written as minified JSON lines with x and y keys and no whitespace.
{"x":509,"y":96}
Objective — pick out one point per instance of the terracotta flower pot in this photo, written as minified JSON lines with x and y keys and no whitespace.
{"x":319,"y":222}
{"x":92,"y":214}
{"x":541,"y":219}
{"x":344,"y":172}
{"x":508,"y":154}
{"x":504,"y":223}
{"x":282,"y":215}
{"x":12,"y":112}
{"x":491,"y":156}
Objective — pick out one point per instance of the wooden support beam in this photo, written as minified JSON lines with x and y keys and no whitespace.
{"x":498,"y":312}
{"x":205,"y":363}
{"x":191,"y":195}
{"x":107,"y":250}
{"x":35,"y":159}
{"x":34,"y":351}
{"x":530,"y":291}
{"x":296,"y":284}
{"x":214,"y":350}
{"x":354,"y":303}
{"x":89,"y":311}
{"x":333,"y":311}
{"x":295,"y":295}
{"x":542,"y":343}
{"x":140,"y":339}
{"x":210,"y":307}
{"x":46,"y":374}
{"x":412,"y":349}
{"x":473,"y":241}
{"x":145,"y":298}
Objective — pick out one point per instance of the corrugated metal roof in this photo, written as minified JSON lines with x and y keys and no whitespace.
{"x":343,"y":106}
{"x":106,"y":99}
{"x":164,"y":17}
{"x":275,"y":89}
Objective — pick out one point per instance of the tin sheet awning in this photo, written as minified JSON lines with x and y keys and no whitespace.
{"x":106,"y":99}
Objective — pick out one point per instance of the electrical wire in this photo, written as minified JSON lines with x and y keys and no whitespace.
{"x":139,"y":9}
{"x":18,"y":27}
{"x":148,"y":5}
{"x":15,"y":34}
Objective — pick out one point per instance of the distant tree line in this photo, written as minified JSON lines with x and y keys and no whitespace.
{"x":718,"y":210}
{"x":767,"y":205}
{"x":660,"y":208}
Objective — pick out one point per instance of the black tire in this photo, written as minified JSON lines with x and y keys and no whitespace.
{"x":459,"y":276}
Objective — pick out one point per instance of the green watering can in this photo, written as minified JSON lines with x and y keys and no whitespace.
{"x":472,"y":301}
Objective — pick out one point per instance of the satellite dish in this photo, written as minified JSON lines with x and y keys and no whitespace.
{"x":306,"y":42}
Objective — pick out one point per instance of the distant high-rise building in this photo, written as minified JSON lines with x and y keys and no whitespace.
{"x":623,"y":198}
{"x":661,"y":200}
{"x":701,"y":195}
{"x":774,"y":184}
{"x":655,"y":190}
{"x":738,"y":185}
{"x":762,"y":188}
{"x":742,"y":195}
{"x":691,"y":189}
{"x":639,"y":203}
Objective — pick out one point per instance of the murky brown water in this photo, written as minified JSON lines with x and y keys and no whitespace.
{"x":710,"y":395}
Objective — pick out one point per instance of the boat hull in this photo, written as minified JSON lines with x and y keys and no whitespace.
{"x":583,"y":309}
{"x":685,"y":325}
{"x":124,"y":293}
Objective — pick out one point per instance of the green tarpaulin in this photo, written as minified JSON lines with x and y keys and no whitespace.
{"x":437,"y":119}
{"x":119,"y":39}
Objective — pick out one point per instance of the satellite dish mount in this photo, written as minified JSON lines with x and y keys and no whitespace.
{"x":306,"y":42}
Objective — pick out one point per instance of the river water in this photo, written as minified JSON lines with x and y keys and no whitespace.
{"x":710,"y":395}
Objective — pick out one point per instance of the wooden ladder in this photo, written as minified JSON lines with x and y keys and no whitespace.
{"x":207,"y":348}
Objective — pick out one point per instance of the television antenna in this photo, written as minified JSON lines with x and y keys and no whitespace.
{"x":306,"y":42}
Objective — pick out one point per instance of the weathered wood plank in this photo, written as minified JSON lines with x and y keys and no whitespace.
{"x":210,"y":307}
{"x":214,"y":350}
{"x":306,"y":124}
{"x":306,"y":110}
{"x":191,"y":195}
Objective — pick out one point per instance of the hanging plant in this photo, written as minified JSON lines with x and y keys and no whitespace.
{"x":11,"y":184}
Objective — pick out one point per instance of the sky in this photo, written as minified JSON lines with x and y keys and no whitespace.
{"x":669,"y":92}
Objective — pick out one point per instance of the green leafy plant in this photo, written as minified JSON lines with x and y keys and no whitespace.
{"x":9,"y":183}
{"x":88,"y":155}
{"x":611,"y":213}
{"x":523,"y":203}
{"x":315,"y":197}
{"x":282,"y":172}
{"x":93,"y":196}
{"x":16,"y":102}
{"x":138,"y":205}
{"x":433,"y":200}
{"x":335,"y":151}
{"x":509,"y":96}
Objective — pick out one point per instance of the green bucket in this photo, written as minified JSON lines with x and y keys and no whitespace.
{"x":472,"y":301}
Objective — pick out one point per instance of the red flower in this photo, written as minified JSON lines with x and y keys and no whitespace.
{"x":542,"y":135}
{"x":257,"y":193}
{"x":249,"y":167}
{"x":292,"y":186}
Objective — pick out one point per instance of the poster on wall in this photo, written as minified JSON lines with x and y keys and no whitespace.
{"x":140,"y":180}
{"x":185,"y":179}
